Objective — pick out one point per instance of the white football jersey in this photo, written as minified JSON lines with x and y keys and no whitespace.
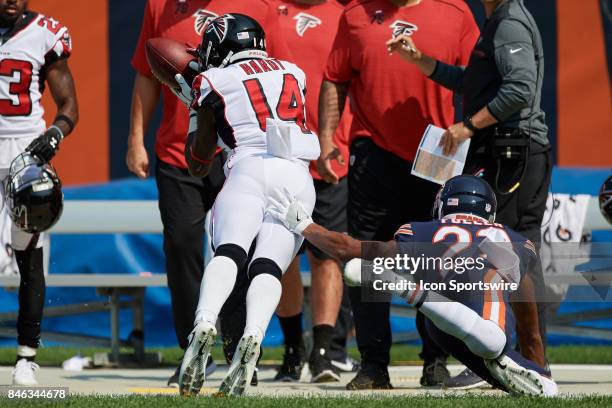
{"x":243,"y":95}
{"x":35,"y":41}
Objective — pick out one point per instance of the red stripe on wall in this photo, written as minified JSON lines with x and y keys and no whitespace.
{"x":84,"y":155}
{"x":584,"y":99}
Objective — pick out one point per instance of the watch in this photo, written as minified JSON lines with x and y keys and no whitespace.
{"x":467,"y":122}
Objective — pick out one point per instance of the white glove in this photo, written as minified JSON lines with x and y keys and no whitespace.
{"x":184,"y":91}
{"x":286,"y":208}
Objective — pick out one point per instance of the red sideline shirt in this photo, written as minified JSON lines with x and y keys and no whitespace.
{"x":393,"y":101}
{"x":184,"y":21}
{"x":311,"y":29}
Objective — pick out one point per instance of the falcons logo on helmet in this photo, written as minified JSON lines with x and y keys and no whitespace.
{"x":202,"y":18}
{"x":219,"y":26}
{"x":402,"y":27}
{"x":305,"y":21}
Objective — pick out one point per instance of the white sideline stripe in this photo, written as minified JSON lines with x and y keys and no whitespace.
{"x":553,"y":367}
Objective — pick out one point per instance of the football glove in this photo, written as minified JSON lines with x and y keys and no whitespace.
{"x":46,"y":145}
{"x":286,"y":208}
{"x":183,"y":92}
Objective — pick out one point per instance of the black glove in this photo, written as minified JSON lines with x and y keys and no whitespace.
{"x":46,"y":145}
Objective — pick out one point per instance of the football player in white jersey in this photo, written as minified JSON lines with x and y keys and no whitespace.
{"x":255,"y":106}
{"x":33,"y":51}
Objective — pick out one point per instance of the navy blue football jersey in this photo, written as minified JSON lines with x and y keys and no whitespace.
{"x":466,"y":248}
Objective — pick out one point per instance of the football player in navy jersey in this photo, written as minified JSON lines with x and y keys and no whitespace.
{"x":475,"y":324}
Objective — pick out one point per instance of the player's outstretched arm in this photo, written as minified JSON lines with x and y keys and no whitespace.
{"x":202,"y":142}
{"x":63,"y":91}
{"x":289,"y":210}
{"x":337,"y":245}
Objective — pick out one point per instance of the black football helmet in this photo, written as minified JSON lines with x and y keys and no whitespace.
{"x":605,"y":199}
{"x":33,"y":194}
{"x":230,"y":38}
{"x":466,"y":194}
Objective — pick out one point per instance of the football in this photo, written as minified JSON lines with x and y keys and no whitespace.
{"x":167,"y":58}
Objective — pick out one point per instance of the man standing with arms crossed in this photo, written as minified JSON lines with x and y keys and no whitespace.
{"x":183,"y":199}
{"x":393,"y":104}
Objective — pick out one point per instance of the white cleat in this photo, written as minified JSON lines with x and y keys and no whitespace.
{"x":24,"y":373}
{"x":193,"y":367}
{"x":243,"y":365}
{"x":519,"y":380}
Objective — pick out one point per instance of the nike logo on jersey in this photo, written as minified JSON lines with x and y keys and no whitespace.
{"x":305,"y":21}
{"x":514,"y":51}
{"x":403,"y":27}
{"x":202,"y":18}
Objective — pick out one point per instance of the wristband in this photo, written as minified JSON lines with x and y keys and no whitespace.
{"x":66,"y":119}
{"x":196,"y":158}
{"x":61,"y":134}
{"x":467,"y":122}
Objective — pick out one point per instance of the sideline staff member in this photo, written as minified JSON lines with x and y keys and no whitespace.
{"x":501,"y":88}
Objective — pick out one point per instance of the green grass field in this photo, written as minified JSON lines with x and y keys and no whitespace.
{"x":316,"y":402}
{"x":400,"y":355}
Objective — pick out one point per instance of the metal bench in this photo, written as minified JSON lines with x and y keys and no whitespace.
{"x":102,"y":217}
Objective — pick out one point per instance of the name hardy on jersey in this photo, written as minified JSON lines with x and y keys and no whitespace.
{"x":257,"y":66}
{"x":252,"y":67}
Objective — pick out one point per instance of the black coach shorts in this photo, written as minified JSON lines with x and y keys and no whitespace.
{"x":329,"y":210}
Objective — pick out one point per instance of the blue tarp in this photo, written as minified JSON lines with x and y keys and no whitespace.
{"x":135,"y":253}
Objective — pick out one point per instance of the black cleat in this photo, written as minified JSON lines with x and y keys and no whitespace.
{"x":435,"y":373}
{"x":322,"y":369}
{"x":370,"y":378}
{"x":291,"y":368}
{"x":254,"y":380}
{"x":465,"y":380}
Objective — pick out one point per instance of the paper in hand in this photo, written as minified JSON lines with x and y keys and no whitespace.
{"x":431,"y":164}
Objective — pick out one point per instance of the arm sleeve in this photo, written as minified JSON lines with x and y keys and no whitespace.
{"x":515,"y":60}
{"x":449,"y":76}
{"x":139,"y":59}
{"x":339,"y":67}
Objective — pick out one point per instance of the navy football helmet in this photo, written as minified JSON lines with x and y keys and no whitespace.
{"x":466,"y":195}
{"x":605,"y":199}
{"x":230,"y":38}
{"x":33,"y":194}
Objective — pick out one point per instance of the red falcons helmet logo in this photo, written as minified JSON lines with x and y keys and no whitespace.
{"x":305,"y":21}
{"x":219,"y":26}
{"x":402,"y":27}
{"x":202,"y":18}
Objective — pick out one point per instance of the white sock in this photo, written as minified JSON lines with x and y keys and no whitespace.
{"x":25,"y":351}
{"x":483,"y":337}
{"x":217,"y":284}
{"x":261,"y":301}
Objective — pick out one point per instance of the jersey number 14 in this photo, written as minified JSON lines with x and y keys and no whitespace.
{"x":290,"y":105}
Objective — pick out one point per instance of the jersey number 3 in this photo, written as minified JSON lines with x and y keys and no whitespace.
{"x":290,"y":105}
{"x":21,"y":88}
